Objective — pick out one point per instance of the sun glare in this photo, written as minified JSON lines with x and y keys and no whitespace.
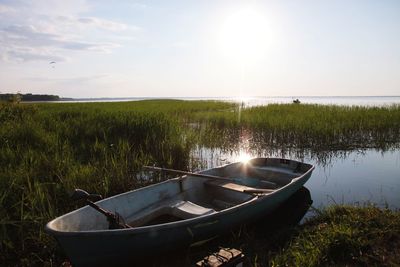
{"x":244,"y":157}
{"x":245,"y":36}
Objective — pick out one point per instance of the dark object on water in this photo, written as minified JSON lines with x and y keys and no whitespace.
{"x":296,"y":101}
{"x":223,"y":258}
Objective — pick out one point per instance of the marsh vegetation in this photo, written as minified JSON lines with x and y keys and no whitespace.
{"x":46,"y":150}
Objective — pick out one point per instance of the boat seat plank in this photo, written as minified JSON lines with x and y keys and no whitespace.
{"x":232,"y":186}
{"x":177,"y":207}
{"x":187,"y":209}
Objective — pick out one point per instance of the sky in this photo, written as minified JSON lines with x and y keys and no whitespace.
{"x":203,"y":48}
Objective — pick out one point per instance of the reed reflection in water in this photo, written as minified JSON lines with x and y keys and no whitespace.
{"x":341,"y":177}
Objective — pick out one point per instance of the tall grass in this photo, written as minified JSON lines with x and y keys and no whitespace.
{"x":314,"y":127}
{"x":344,"y":236}
{"x":46,"y":150}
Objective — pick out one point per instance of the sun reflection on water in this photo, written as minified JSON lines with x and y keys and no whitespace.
{"x":244,"y":157}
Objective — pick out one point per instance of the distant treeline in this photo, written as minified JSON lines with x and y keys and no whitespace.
{"x":28,"y":97}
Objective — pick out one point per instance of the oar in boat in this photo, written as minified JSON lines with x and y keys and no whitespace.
{"x":255,"y":190}
{"x":187,"y":173}
{"x":115,"y":220}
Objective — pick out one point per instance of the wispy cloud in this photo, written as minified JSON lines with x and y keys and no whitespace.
{"x":78,"y":80}
{"x":26,"y":43}
{"x":84,"y":23}
{"x":37,"y":32}
{"x":31,"y":55}
{"x":4,"y":9}
{"x":102,"y":23}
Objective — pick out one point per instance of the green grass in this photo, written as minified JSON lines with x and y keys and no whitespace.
{"x":314,"y":127}
{"x":336,"y":236}
{"x":339,"y":235}
{"x":344,"y":236}
{"x":46,"y":150}
{"x":288,"y":126}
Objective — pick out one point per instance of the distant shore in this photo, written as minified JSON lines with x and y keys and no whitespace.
{"x":248,"y":101}
{"x":31,"y":98}
{"x":261,"y":100}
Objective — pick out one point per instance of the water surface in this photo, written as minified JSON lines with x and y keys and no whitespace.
{"x":264,"y":100}
{"x":344,"y":177}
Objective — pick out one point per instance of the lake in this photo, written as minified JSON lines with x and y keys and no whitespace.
{"x":342,"y":177}
{"x":263,"y":100}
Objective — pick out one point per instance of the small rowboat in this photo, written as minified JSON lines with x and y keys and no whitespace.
{"x":186,"y":210}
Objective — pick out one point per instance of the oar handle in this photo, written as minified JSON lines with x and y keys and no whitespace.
{"x":252,"y":191}
{"x":187,"y":173}
{"x":111,"y":217}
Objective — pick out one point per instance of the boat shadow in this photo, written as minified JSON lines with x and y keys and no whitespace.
{"x":255,"y":239}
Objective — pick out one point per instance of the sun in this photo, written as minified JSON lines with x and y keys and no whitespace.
{"x":245,"y":36}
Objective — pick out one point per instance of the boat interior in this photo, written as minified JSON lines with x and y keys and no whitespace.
{"x":188,"y":196}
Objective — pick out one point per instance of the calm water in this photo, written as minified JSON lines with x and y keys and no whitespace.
{"x":356,"y":177}
{"x":331,"y":100}
{"x":257,"y":101}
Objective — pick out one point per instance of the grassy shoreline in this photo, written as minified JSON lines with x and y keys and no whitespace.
{"x":340,"y":235}
{"x":48,"y":149}
{"x":344,"y":235}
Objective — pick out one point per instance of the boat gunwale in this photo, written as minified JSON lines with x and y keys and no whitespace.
{"x":140,"y":229}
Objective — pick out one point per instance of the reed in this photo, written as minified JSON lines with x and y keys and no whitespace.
{"x":344,"y":236}
{"x":315,"y":127}
{"x":46,"y":150}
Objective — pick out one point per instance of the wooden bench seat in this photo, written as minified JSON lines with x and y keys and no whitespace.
{"x":176,"y":207}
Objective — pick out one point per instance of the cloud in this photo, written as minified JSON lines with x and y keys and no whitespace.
{"x":40,"y":32}
{"x":46,"y":8}
{"x":90,"y":23}
{"x":27,"y":43}
{"x":6,"y":9}
{"x":79,"y":79}
{"x":21,"y":55}
{"x":103,"y":24}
